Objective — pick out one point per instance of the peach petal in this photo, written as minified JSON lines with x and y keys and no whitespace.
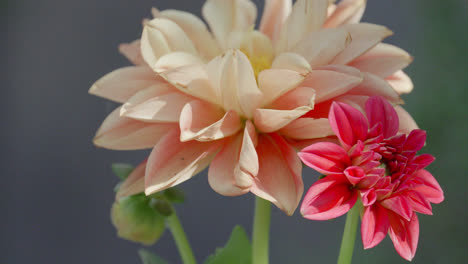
{"x":407,"y":123}
{"x":200,"y":121}
{"x":279,"y":177}
{"x":175,"y":60}
{"x":135,"y":182}
{"x":147,"y":94}
{"x":307,"y":128}
{"x":291,"y":61}
{"x":373,"y":85}
{"x":274,"y":16}
{"x":122,"y":83}
{"x":364,"y":37}
{"x":301,"y":96}
{"x":275,"y":82}
{"x":248,"y":167}
{"x":121,"y":133}
{"x":172,"y":162}
{"x":346,"y":12}
{"x":306,"y":16}
{"x":195,"y":29}
{"x":132,"y":52}
{"x":321,"y":47}
{"x":382,"y":60}
{"x":164,"y":108}
{"x":329,"y":84}
{"x":271,"y":120}
{"x":400,"y":82}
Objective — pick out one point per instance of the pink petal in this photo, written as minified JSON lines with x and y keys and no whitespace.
{"x":378,"y":110}
{"x":407,"y":123}
{"x":151,"y":92}
{"x":275,"y":82}
{"x":291,"y":61}
{"x":372,"y":85}
{"x":232,"y":170}
{"x":415,"y":140}
{"x":423,"y":160}
{"x":364,"y":37}
{"x":328,"y":198}
{"x":122,"y":83}
{"x":306,"y":16}
{"x":195,"y":30}
{"x":325,"y":157}
{"x":400,"y":82}
{"x":135,"y":182}
{"x":172,"y":162}
{"x":204,"y":122}
{"x":279,"y":177}
{"x":300,"y":96}
{"x":368,"y":197}
{"x":321,"y":47}
{"x":346,"y":12}
{"x":429,"y":186}
{"x":374,"y":225}
{"x":121,"y":133}
{"x":419,"y":203}
{"x":271,"y":120}
{"x":307,"y":128}
{"x":275,"y":13}
{"x":383,"y":60}
{"x":132,"y":52}
{"x":354,"y":174}
{"x":404,"y":235}
{"x":400,"y":205}
{"x":348,"y":123}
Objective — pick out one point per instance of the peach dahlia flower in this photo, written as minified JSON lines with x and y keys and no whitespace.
{"x":239,"y":99}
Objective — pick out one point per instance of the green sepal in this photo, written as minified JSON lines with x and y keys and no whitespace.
{"x":237,"y":250}
{"x":174,"y":195}
{"x":161,"y":206}
{"x":122,"y":170}
{"x":149,"y":258}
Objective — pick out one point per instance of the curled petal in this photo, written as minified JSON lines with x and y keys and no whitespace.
{"x":328,"y":198}
{"x":419,"y":203}
{"x":348,"y":123}
{"x":400,"y":82}
{"x":135,"y":182}
{"x":399,"y":205}
{"x":374,"y":226}
{"x":279,"y":177}
{"x":291,"y":61}
{"x":354,"y":174}
{"x":172,"y":162}
{"x":404,"y":235}
{"x":132,"y":52}
{"x":271,"y":120}
{"x":428,"y":187}
{"x":346,"y":12}
{"x":325,"y":157}
{"x":274,"y":16}
{"x":122,"y":133}
{"x":175,"y":60}
{"x":275,"y":82}
{"x":301,"y":96}
{"x":378,"y":110}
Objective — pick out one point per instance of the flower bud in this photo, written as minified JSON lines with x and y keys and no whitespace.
{"x":136,"y":220}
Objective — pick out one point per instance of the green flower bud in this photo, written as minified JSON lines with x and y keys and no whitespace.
{"x":136,"y":220}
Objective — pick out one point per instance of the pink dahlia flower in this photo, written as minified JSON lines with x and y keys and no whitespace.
{"x":379,"y":167}
{"x":242,"y":99}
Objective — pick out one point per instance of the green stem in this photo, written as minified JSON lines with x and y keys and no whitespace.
{"x":261,"y":231}
{"x":180,"y":238}
{"x":349,"y":235}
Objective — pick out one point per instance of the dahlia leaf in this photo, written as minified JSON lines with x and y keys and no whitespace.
{"x":238,"y":250}
{"x":149,"y":258}
{"x":122,"y":170}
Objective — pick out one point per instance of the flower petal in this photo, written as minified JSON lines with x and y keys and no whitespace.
{"x":142,"y":96}
{"x":306,"y":16}
{"x":374,"y":225}
{"x":291,"y":61}
{"x":132,"y":52}
{"x":135,"y":182}
{"x":419,"y":203}
{"x":275,"y":13}
{"x":407,"y":123}
{"x":328,"y":198}
{"x":275,"y":82}
{"x":378,"y":110}
{"x":373,"y":85}
{"x":301,"y":96}
{"x":325,"y":157}
{"x":428,"y":187}
{"x":121,"y":133}
{"x":400,"y":205}
{"x":122,"y":83}
{"x":271,"y":120}
{"x":307,"y":128}
{"x":364,"y":37}
{"x":279,"y":177}
{"x":400,"y":82}
{"x":203,"y":122}
{"x":175,"y":60}
{"x":195,"y":30}
{"x":348,"y":123}
{"x":226,"y":16}
{"x":415,"y":140}
{"x":172,"y":162}
{"x":321,"y":47}
{"x":404,"y":235}
{"x":383,"y":60}
{"x":346,"y":12}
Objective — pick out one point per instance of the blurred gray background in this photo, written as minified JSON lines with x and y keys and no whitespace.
{"x":56,"y":191}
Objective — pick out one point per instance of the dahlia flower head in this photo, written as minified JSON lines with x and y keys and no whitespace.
{"x":377,"y":166}
{"x":241,"y":100}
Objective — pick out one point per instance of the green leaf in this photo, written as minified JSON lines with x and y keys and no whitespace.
{"x":149,"y":258}
{"x":174,"y":195}
{"x":238,"y":250}
{"x":122,"y":170}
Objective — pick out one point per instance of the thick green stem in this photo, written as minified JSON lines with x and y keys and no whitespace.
{"x":261,"y":231}
{"x":349,"y":235}
{"x":180,"y":238}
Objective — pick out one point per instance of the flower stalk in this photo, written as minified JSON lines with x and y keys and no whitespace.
{"x":261,"y":231}
{"x":180,"y":239}
{"x":349,"y":235}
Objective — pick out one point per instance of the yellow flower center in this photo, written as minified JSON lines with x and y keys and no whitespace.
{"x":258,"y":49}
{"x":259,"y":62}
